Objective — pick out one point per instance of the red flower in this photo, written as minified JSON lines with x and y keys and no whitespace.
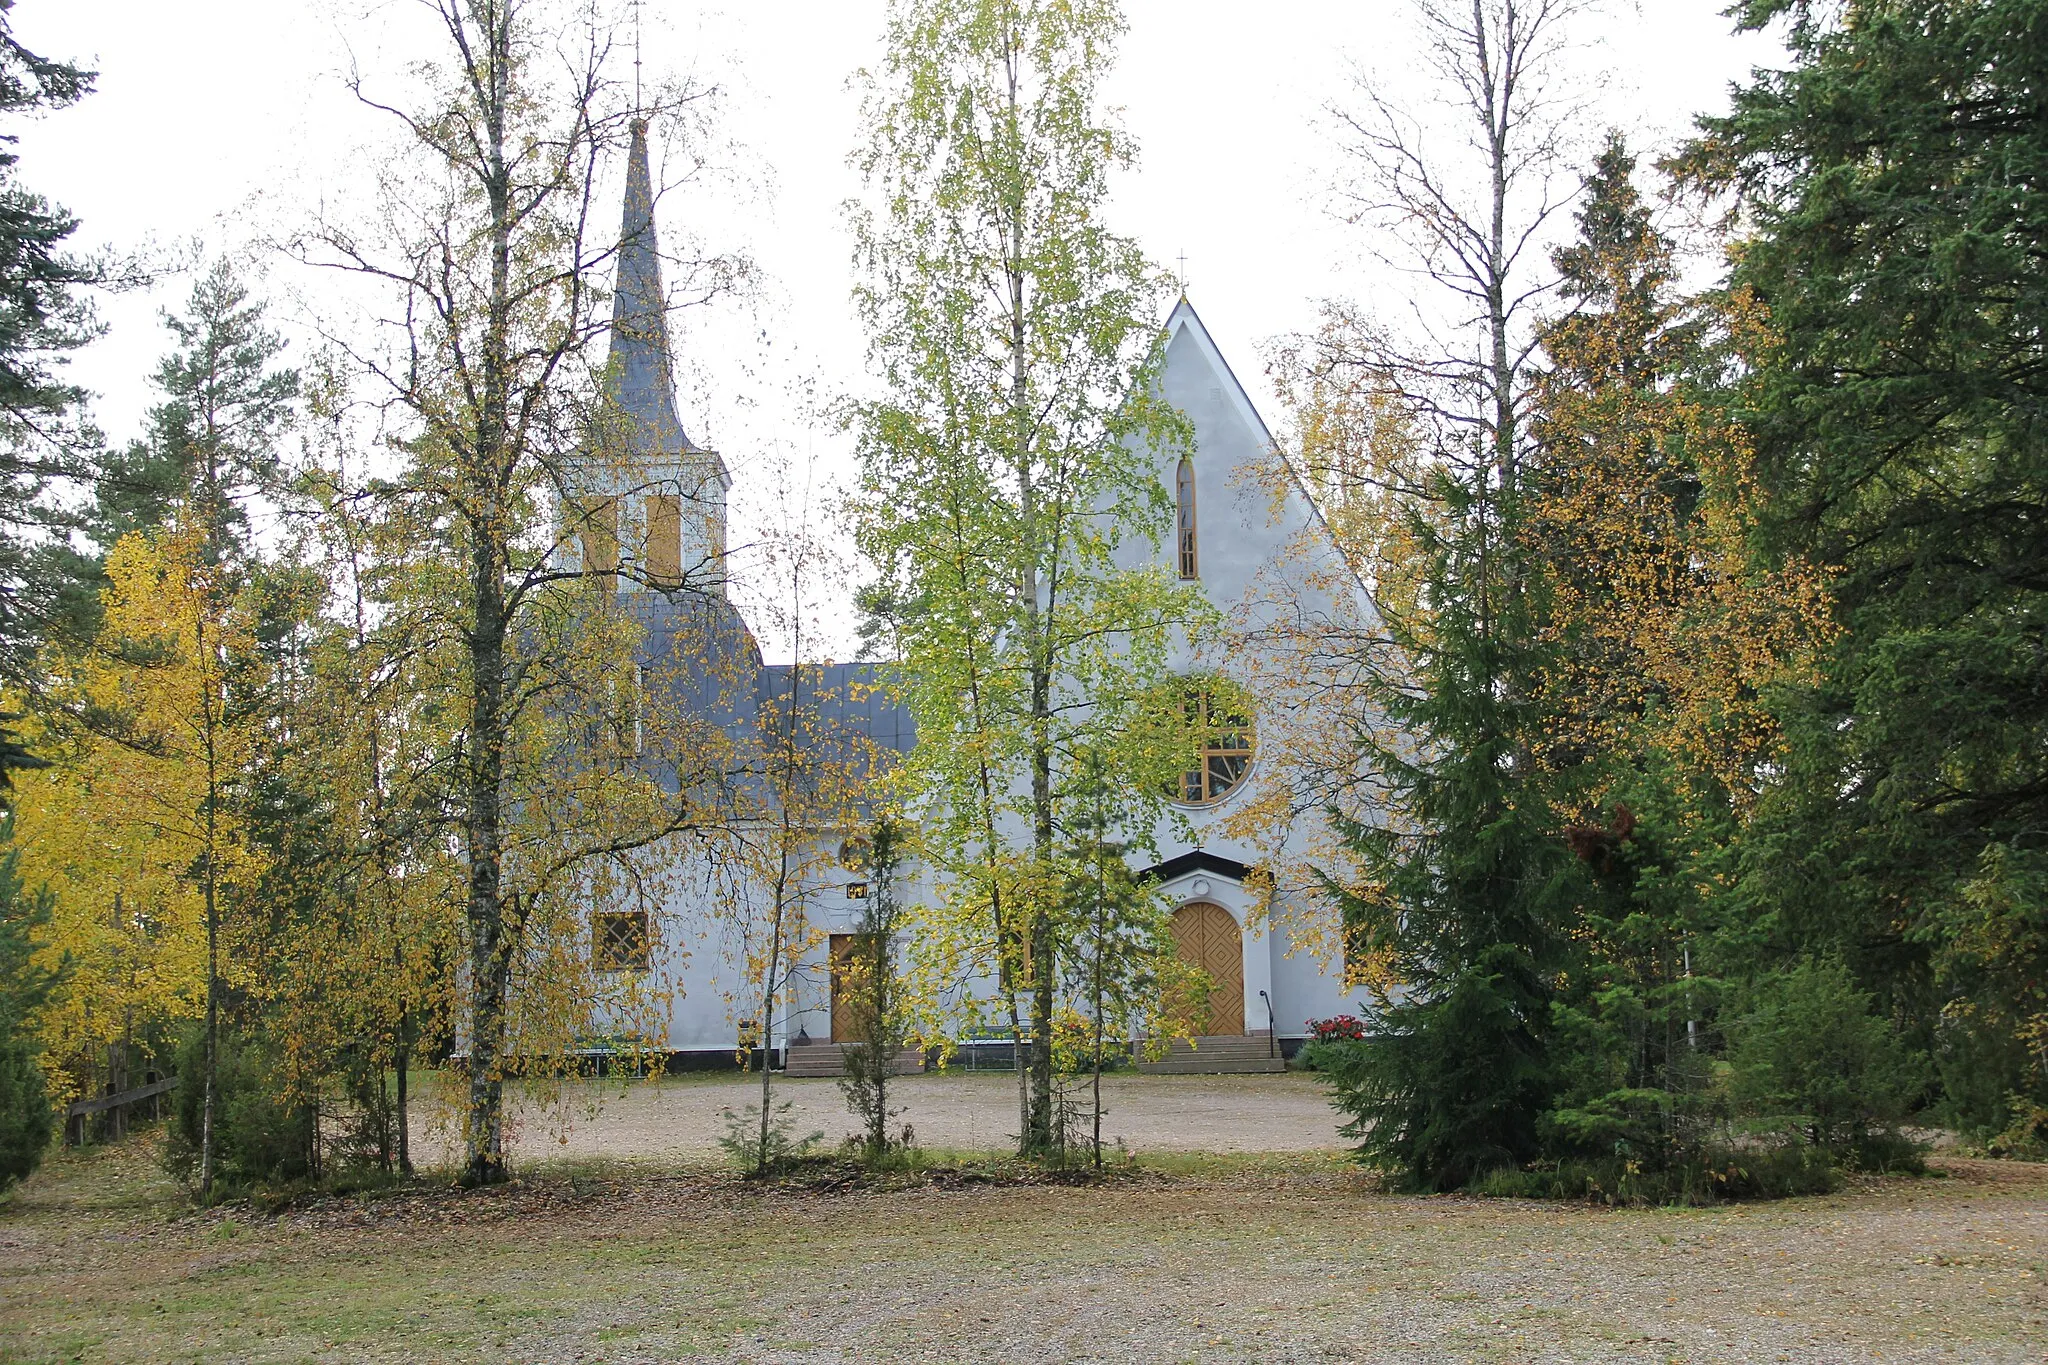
{"x":1338,"y":1028}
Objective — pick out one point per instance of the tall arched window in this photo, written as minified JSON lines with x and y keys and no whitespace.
{"x":1184,"y":501}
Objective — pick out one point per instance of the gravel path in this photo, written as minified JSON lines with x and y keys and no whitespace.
{"x":959,"y":1111}
{"x":1283,"y":1262}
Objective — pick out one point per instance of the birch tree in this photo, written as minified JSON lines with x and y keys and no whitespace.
{"x":143,"y":837}
{"x":808,"y":778}
{"x":1011,"y":451}
{"x":174,"y":676}
{"x":486,"y":248}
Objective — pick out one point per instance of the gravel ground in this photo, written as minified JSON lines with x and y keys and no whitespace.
{"x":1287,"y":1260}
{"x":958,"y":1111}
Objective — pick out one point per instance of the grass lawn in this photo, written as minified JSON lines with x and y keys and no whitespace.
{"x":1284,"y":1258}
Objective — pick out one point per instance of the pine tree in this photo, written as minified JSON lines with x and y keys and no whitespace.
{"x":210,"y":445}
{"x":45,"y":445}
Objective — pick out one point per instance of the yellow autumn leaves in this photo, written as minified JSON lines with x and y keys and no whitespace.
{"x":116,"y":824}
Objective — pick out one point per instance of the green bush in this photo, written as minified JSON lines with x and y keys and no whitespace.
{"x":2025,"y":1138}
{"x":26,"y":1119}
{"x":1768,"y":1171}
{"x":261,"y":1137}
{"x":1808,"y":1057}
{"x":760,"y":1154}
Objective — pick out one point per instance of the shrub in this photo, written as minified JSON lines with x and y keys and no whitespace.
{"x":362,"y":1137}
{"x":1768,"y":1171}
{"x":760,"y":1155}
{"x":262,"y":1136}
{"x":1809,"y":1057}
{"x":26,"y":1119}
{"x":2026,"y":1137}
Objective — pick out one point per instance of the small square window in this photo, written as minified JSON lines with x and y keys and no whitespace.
{"x":619,"y":941}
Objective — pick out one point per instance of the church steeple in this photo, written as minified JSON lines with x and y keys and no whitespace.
{"x":642,"y":370}
{"x":646,"y":504}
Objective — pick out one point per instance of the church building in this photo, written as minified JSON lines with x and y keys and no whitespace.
{"x":661,"y":511}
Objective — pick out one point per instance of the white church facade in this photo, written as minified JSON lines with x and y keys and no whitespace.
{"x":1232,"y":529}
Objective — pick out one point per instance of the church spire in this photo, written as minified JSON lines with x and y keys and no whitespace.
{"x":642,"y":372}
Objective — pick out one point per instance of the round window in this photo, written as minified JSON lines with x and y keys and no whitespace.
{"x":1221,"y":716}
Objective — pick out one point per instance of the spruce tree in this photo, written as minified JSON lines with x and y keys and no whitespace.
{"x":26,"y":1118}
{"x":1617,"y":531}
{"x":1468,"y":884}
{"x":1895,"y":181}
{"x":1462,"y":886}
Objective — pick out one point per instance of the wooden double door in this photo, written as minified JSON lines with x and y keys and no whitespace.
{"x":1206,"y":936}
{"x":853,"y":958}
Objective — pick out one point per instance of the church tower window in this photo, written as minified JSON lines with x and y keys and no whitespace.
{"x":599,"y":534}
{"x":665,"y":541}
{"x":1184,"y":503}
{"x":714,"y":538}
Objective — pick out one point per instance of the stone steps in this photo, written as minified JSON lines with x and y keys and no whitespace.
{"x":829,"y":1059}
{"x":1240,"y":1054}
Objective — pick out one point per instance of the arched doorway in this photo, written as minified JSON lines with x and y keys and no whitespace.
{"x":1207,"y":936}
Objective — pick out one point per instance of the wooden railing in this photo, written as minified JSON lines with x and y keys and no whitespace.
{"x":76,"y":1114}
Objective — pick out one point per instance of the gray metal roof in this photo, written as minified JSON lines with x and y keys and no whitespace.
{"x":641,"y":371}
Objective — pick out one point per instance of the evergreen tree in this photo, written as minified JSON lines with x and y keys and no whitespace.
{"x":1468,"y":883}
{"x":869,"y":975}
{"x":210,"y":446}
{"x":1896,"y":180}
{"x":44,"y":443}
{"x":1461,"y":890}
{"x":1584,"y":738}
{"x":1638,"y":742}
{"x":26,"y":1118}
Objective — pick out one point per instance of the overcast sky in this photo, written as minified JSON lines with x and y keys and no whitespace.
{"x":217,"y":120}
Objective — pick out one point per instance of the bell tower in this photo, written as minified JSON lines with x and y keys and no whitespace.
{"x":649,"y":505}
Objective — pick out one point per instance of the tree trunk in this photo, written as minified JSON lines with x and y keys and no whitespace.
{"x":404,"y":1112}
{"x":489,"y":958}
{"x":768,"y":993}
{"x":210,"y":1101}
{"x":880,"y":1029}
{"x":1095,"y":1066}
{"x":490,"y":952}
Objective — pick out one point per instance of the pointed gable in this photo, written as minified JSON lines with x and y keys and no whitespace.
{"x":1252,"y":514}
{"x":1195,"y":366}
